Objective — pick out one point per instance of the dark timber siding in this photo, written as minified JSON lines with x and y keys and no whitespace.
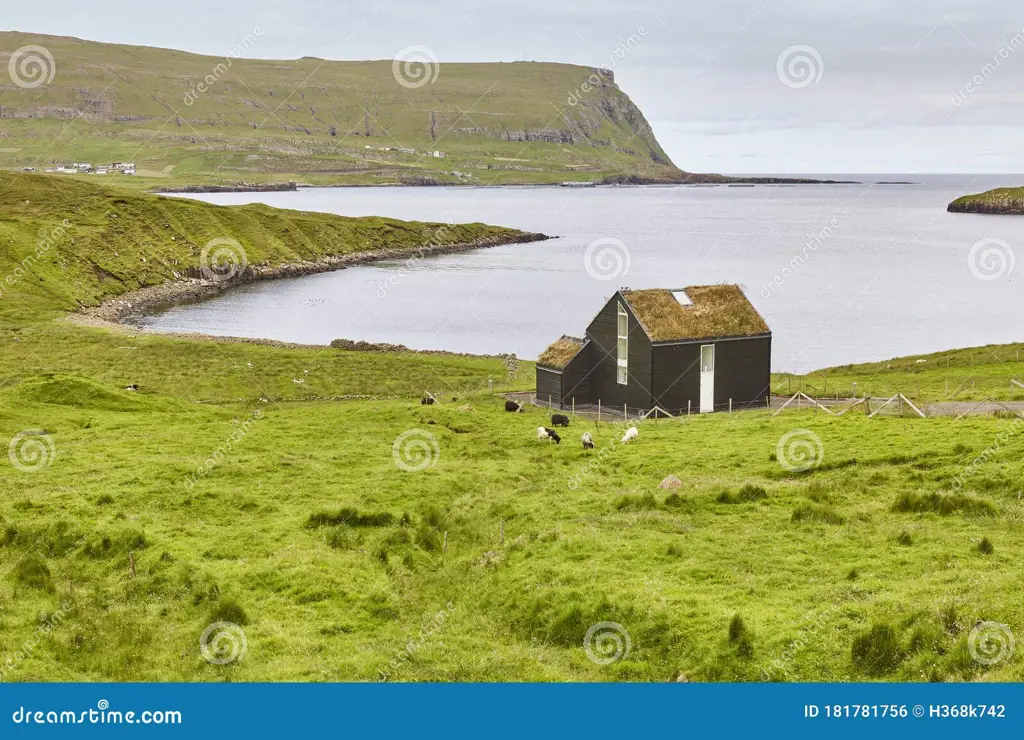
{"x":549,"y":383}
{"x":603,"y":385}
{"x":742,"y":371}
{"x":677,"y":376}
{"x":576,"y":377}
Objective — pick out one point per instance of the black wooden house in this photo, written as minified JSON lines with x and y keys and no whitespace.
{"x":698,"y":349}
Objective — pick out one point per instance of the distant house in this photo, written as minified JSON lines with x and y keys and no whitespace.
{"x":698,"y":349}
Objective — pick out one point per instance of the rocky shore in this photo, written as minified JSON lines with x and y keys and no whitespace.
{"x":1001,"y":201}
{"x":135,"y":304}
{"x":242,"y":187}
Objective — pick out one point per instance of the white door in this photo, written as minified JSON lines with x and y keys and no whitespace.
{"x":707,"y":378}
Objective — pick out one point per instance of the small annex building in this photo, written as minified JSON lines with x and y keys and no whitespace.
{"x":703,"y":348}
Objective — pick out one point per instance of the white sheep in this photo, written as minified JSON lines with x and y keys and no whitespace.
{"x":632,"y":434}
{"x":587,"y":440}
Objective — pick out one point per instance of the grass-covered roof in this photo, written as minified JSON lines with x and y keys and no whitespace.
{"x":717,"y":311}
{"x":559,"y":353}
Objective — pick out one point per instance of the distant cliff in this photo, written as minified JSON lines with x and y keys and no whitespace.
{"x":187,"y":119}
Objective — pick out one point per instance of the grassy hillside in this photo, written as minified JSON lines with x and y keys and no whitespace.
{"x":1008,"y":201}
{"x":66,"y":244}
{"x":188,"y":119}
{"x":971,"y":374}
{"x":300,"y":525}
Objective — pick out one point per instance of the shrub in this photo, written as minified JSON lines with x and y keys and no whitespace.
{"x":646,"y":502}
{"x":877,"y":651}
{"x":905,"y":539}
{"x":815,"y":513}
{"x":943,"y":504}
{"x":229,"y":610}
{"x":740,"y":636}
{"x":748,"y":494}
{"x":33,"y":572}
{"x":947,"y":617}
{"x":737,"y":628}
{"x":985,"y":547}
{"x":350,"y":517}
{"x":926,"y":637}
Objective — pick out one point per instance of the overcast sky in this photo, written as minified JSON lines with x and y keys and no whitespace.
{"x":712,"y":77}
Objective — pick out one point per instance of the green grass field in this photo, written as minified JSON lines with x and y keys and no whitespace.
{"x":298,"y":523}
{"x":190,"y":119}
{"x":227,"y":523}
{"x":971,"y":374}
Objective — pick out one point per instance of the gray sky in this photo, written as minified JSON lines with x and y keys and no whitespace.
{"x":706,"y":74}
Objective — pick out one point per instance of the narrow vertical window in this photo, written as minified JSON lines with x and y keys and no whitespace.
{"x":622,"y":351}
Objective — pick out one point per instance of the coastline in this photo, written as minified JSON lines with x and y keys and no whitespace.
{"x":120,"y":311}
{"x":428,"y":182}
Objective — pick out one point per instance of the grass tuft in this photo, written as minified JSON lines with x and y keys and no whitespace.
{"x":877,"y":651}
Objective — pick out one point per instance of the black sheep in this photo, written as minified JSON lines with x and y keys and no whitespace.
{"x":513,"y":406}
{"x":553,"y":435}
{"x":559,"y":420}
{"x":426,"y":401}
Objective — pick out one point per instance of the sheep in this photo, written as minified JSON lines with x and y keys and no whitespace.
{"x":132,"y":387}
{"x":559,"y":420}
{"x":427,"y":401}
{"x":587,"y":440}
{"x":545,"y":433}
{"x":512,"y":406}
{"x":632,"y":434}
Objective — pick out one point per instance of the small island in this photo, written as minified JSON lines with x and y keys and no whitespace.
{"x":1007,"y":201}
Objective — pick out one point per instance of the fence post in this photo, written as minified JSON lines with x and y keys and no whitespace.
{"x":599,"y":411}
{"x":688,"y":403}
{"x":625,"y":413}
{"x":730,"y":405}
{"x":574,"y":405}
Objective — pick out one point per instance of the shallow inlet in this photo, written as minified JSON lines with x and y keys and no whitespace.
{"x":842,"y":274}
